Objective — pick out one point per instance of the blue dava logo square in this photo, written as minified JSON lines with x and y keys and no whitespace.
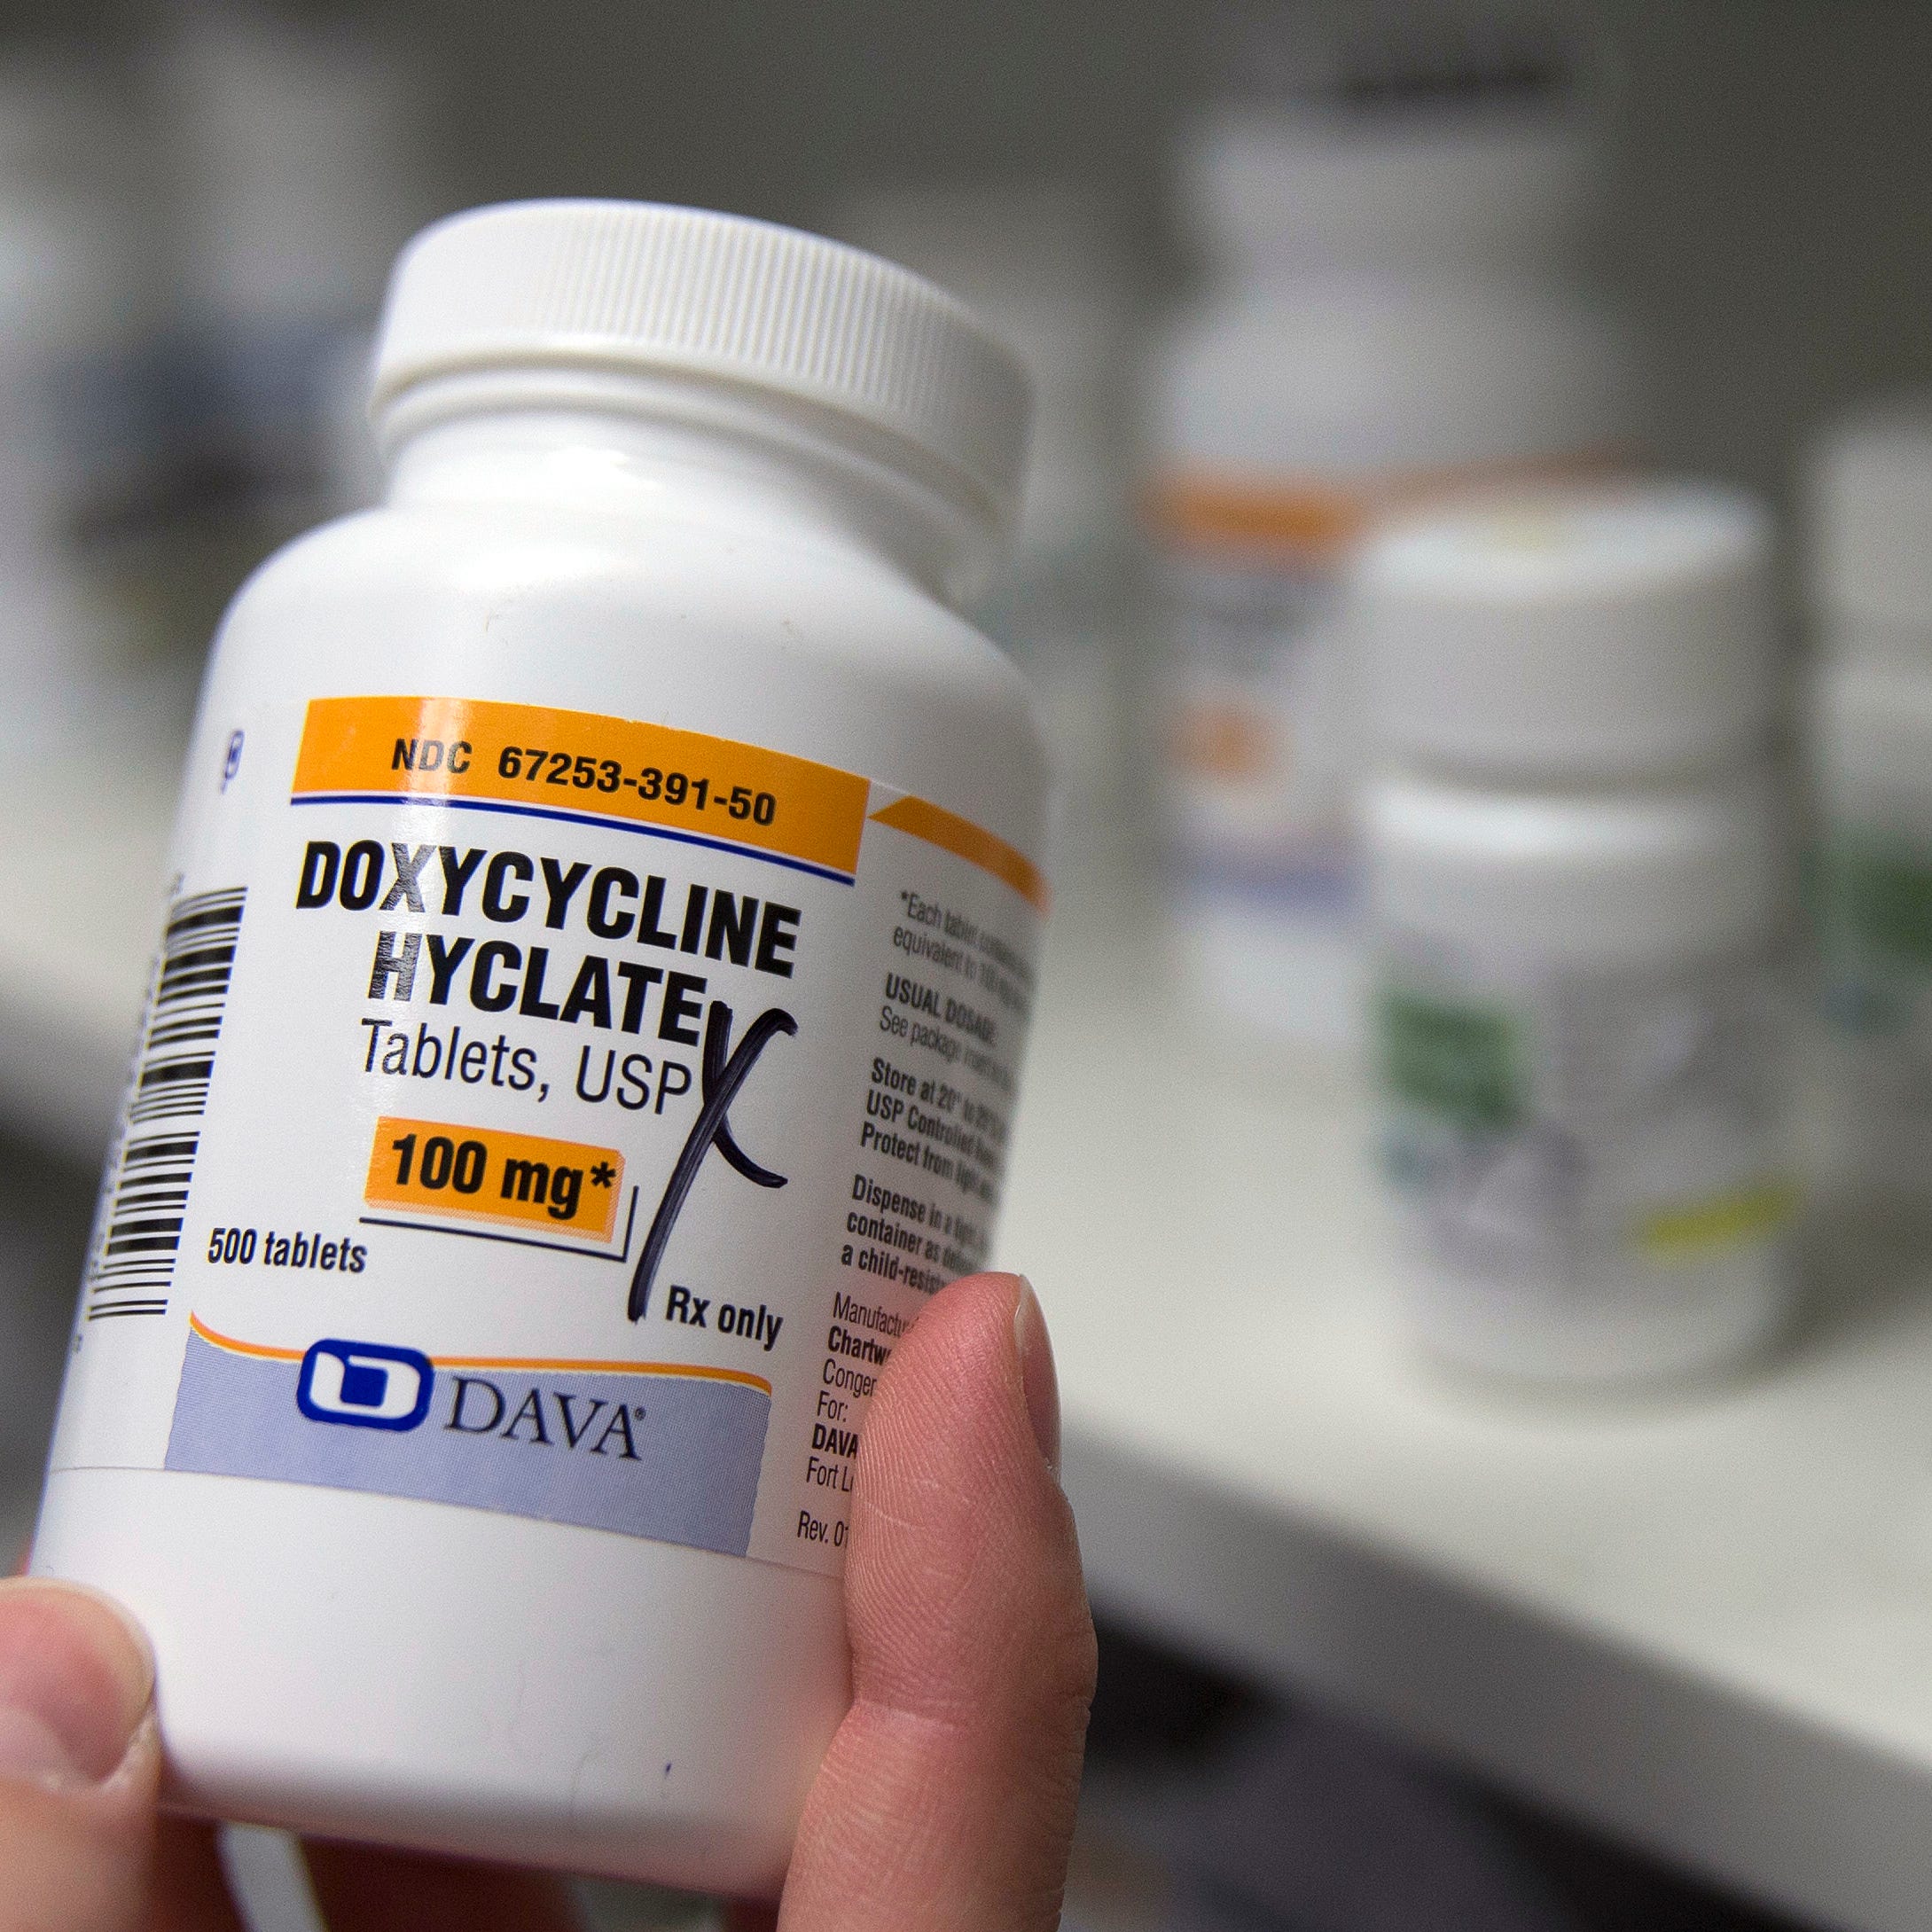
{"x":365,"y":1384}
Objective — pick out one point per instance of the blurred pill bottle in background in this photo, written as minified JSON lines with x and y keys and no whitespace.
{"x":1580,"y":914}
{"x":79,"y":451}
{"x":1385,"y":204}
{"x":1043,"y":263}
{"x":1868,"y":503}
{"x":603,"y":933}
{"x":293,"y":147}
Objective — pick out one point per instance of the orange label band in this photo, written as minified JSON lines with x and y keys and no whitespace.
{"x":965,"y":839}
{"x":579,"y":764}
{"x":485,"y":1174}
{"x":562,"y":1365}
{"x":1316,"y":519}
{"x":1325,"y":520}
{"x":582,"y":765}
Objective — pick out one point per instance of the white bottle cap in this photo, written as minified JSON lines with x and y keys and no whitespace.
{"x":630,"y":285}
{"x":1386,"y":135}
{"x":1869,"y":499}
{"x":1572,"y":634}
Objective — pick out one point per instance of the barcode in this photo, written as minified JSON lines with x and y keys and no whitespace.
{"x":140,"y":1241}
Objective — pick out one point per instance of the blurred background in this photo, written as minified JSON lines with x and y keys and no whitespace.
{"x":1670,"y":236}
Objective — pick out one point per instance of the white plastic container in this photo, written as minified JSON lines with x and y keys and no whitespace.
{"x":1870,"y":517}
{"x":1579,"y":898}
{"x":585,"y":1032}
{"x":1387,"y":316}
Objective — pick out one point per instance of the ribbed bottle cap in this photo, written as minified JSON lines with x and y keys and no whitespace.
{"x":619,"y":285}
{"x":1870,"y":511}
{"x":1572,"y":634}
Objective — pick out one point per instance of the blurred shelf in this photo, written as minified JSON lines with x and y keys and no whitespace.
{"x":1703,"y":1623}
{"x":82,"y":852}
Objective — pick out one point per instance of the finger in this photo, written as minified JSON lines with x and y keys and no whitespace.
{"x":187,"y":1891}
{"x":79,"y":1762}
{"x":363,"y":1890}
{"x":946,"y":1801}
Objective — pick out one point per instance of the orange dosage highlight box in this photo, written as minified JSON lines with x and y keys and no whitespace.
{"x":583,"y":765}
{"x":486,"y":1174}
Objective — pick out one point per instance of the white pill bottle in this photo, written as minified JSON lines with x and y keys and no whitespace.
{"x":1579,"y":903}
{"x":1389,"y":315}
{"x":1870,"y":570}
{"x":584,"y":1035}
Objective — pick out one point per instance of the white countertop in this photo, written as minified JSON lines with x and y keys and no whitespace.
{"x":1705,"y":1624}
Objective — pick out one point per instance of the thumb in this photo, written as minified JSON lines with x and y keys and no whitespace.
{"x":946,"y":1800}
{"x":79,"y":1762}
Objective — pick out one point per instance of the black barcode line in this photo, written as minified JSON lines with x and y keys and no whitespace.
{"x":133,"y":1265}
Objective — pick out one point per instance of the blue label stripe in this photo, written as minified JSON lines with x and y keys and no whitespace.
{"x":673,"y":1458}
{"x":1331,"y":887}
{"x":444,"y":803}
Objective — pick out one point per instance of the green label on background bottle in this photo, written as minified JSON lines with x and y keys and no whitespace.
{"x":1460,"y":1060}
{"x":1876,"y":898}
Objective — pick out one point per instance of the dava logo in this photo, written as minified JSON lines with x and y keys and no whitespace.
{"x":365,"y":1384}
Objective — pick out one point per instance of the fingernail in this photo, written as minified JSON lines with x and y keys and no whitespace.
{"x":75,"y":1681}
{"x":1037,"y":1374}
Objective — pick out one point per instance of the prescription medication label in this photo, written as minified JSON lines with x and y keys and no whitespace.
{"x":1613,"y":1132}
{"x":1875,"y":939}
{"x":1260,"y":738}
{"x":550,"y":1114}
{"x":1264,"y":744}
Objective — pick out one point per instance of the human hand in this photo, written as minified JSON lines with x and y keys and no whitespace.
{"x":946,"y":1803}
